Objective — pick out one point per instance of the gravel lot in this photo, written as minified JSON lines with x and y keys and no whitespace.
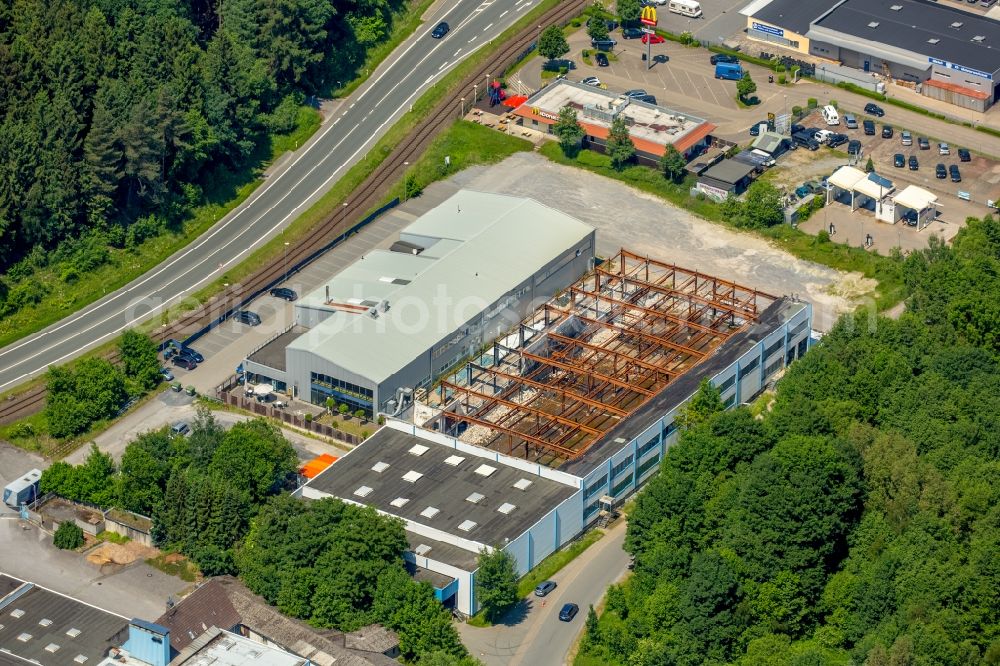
{"x":640,"y":222}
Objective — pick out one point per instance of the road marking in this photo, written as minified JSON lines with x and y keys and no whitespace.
{"x":504,"y":13}
{"x":260,"y":238}
{"x":523,"y":7}
{"x":337,"y":120}
{"x":429,"y":79}
{"x":487,"y":27}
{"x":352,"y":105}
{"x":456,"y":53}
{"x":443,"y":65}
{"x":472,"y":40}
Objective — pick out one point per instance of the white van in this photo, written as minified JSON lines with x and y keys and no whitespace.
{"x":830,"y":115}
{"x":685,"y":8}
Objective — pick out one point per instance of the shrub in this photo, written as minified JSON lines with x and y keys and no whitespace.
{"x":308,"y":417}
{"x":68,"y":536}
{"x":823,"y":236}
{"x":812,"y":103}
{"x":359,"y":414}
{"x":364,"y":435}
{"x":335,"y":425}
{"x":343,"y":409}
{"x":779,"y":67}
{"x":796,"y":110}
{"x":781,"y":79}
{"x":833,"y":103}
{"x":411,"y":187}
{"x":381,"y":420}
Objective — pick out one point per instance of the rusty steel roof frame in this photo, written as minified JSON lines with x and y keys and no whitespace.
{"x":637,"y":324}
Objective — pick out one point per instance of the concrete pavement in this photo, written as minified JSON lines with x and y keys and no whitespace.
{"x":532,"y":634}
{"x":342,"y":141}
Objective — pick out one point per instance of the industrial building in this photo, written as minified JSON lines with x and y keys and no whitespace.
{"x":395,"y":319}
{"x":651,"y":127}
{"x":948,"y":53}
{"x":563,"y":417}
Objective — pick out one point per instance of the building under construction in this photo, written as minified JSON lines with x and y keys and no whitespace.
{"x":566,"y":415}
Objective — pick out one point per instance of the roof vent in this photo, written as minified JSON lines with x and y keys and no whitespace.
{"x":17,"y":613}
{"x":73,"y":632}
{"x":957,"y":25}
{"x":430,"y":512}
{"x":475,"y":498}
{"x":25,"y":637}
{"x":45,"y":622}
{"x":399,"y":502}
{"x":896,"y":8}
{"x":467,"y":525}
{"x":454,"y":461}
{"x":506,"y":508}
{"x":523,"y":484}
{"x":485,"y":470}
{"x":979,"y":39}
{"x":80,"y":658}
{"x":380,"y":467}
{"x":419,"y":449}
{"x":422,"y":549}
{"x":873,"y":24}
{"x":363,"y":491}
{"x":933,"y":40}
{"x":51,"y":647}
{"x":412,"y":476}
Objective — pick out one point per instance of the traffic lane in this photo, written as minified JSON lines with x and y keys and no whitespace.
{"x":191,"y":267}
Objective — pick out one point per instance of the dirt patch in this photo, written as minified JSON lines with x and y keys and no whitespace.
{"x":120,"y":554}
{"x":797,"y":166}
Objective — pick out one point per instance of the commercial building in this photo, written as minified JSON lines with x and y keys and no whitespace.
{"x":570,"y":412}
{"x":913,"y":204}
{"x":727,"y":178}
{"x":395,"y":319}
{"x":950,"y":54}
{"x":651,"y":127}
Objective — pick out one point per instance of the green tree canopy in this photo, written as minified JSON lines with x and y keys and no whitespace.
{"x":552,"y":43}
{"x":672,"y":164}
{"x":761,"y":206}
{"x":254,"y":455}
{"x":140,"y":359}
{"x":569,"y":131}
{"x":745,"y":86}
{"x":629,"y":10}
{"x":68,"y":536}
{"x":620,"y":148}
{"x":496,"y":582}
{"x":597,"y":27}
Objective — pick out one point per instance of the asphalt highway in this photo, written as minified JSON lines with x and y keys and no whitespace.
{"x":341,"y":142}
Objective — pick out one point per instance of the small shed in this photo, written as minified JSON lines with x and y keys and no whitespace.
{"x":728,"y":177}
{"x":771,"y":143}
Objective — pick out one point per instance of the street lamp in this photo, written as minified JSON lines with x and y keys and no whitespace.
{"x":461,"y":107}
{"x":286,"y":261}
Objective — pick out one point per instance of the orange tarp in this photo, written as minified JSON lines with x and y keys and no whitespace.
{"x":312,"y":468}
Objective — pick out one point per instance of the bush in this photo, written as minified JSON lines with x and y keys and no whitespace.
{"x":68,"y":536}
{"x":308,"y":417}
{"x":833,"y":103}
{"x":359,"y":414}
{"x":779,"y":67}
{"x":364,"y":435}
{"x":381,"y":420}
{"x":796,"y":110}
{"x":335,"y":425}
{"x":781,"y":79}
{"x":343,"y":409}
{"x":812,"y":103}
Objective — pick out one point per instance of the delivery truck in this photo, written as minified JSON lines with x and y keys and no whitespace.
{"x":729,"y":70}
{"x":22,"y":490}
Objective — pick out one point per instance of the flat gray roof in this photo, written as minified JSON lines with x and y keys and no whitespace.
{"x":272,"y":354}
{"x":794,"y":15}
{"x":441,"y":485}
{"x":52,"y":629}
{"x":482,"y":246}
{"x":440,"y":551}
{"x":915,"y":24}
{"x":730,"y":171}
{"x":675,"y":393}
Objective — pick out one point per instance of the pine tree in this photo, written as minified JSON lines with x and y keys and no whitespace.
{"x":620,"y":146}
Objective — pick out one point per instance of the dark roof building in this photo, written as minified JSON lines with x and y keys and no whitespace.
{"x":206,"y":607}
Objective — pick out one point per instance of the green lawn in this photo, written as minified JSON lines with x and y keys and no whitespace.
{"x":887,"y":271}
{"x":175,"y":564}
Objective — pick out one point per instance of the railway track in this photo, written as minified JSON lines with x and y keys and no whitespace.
{"x":366,"y":197}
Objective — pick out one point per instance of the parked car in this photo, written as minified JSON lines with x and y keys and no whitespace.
{"x":914,"y":163}
{"x":635,"y":92}
{"x":964,"y":155}
{"x":944,"y":149}
{"x":956,"y":175}
{"x":940,"y":171}
{"x":603,"y":44}
{"x":923,"y":143}
{"x":602,"y":59}
{"x":722,"y":57}
{"x":874,"y":109}
{"x":544,"y":588}
{"x":823,"y":135}
{"x":166,"y":374}
{"x":591,"y":81}
{"x":612,"y":25}
{"x":190,"y":353}
{"x":910,"y":217}
{"x":837,"y":140}
{"x":652,"y":39}
{"x":755,"y":129}
{"x":440,"y":30}
{"x":898,"y":160}
{"x":802,"y":191}
{"x":568,"y":612}
{"x":632,"y":33}
{"x":850,"y":121}
{"x":180,"y":428}
{"x":906,"y":138}
{"x":854,"y":147}
{"x":248,"y":318}
{"x":805,"y":140}
{"x":285,"y":293}
{"x":869,"y":127}
{"x":184,"y":362}
{"x":648,"y":99}
{"x":886,"y":131}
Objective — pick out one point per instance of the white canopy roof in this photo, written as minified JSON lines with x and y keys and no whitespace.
{"x":263,"y":389}
{"x":846,"y":177}
{"x":915,"y":198}
{"x":870,"y":188}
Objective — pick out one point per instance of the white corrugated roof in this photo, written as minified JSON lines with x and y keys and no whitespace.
{"x":916,"y":198}
{"x":846,"y":177}
{"x":491,"y":244}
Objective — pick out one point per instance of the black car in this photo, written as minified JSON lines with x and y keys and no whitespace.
{"x":964,"y":155}
{"x":898,"y":160}
{"x":924,"y":143}
{"x":603,"y":44}
{"x":247,"y":317}
{"x":635,"y":92}
{"x":874,"y":110}
{"x":854,"y":147}
{"x":544,"y":588}
{"x":755,"y":129}
{"x":722,"y":57}
{"x":805,"y":140}
{"x":187,"y":352}
{"x":956,"y":175}
{"x":631,"y":33}
{"x":648,"y":99}
{"x":184,"y":362}
{"x":886,"y":131}
{"x":797,"y":128}
{"x":914,"y":164}
{"x":284,"y":292}
{"x":568,"y":612}
{"x":611,"y":25}
{"x":835,"y":140}
{"x":869,"y":127}
{"x":940,"y":171}
{"x":441,"y":30}
{"x":602,"y":59}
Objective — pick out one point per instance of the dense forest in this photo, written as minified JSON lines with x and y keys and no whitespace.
{"x":218,"y":496}
{"x":117,"y":116}
{"x":857,"y":520}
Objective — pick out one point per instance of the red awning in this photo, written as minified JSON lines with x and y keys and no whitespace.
{"x":515,"y":101}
